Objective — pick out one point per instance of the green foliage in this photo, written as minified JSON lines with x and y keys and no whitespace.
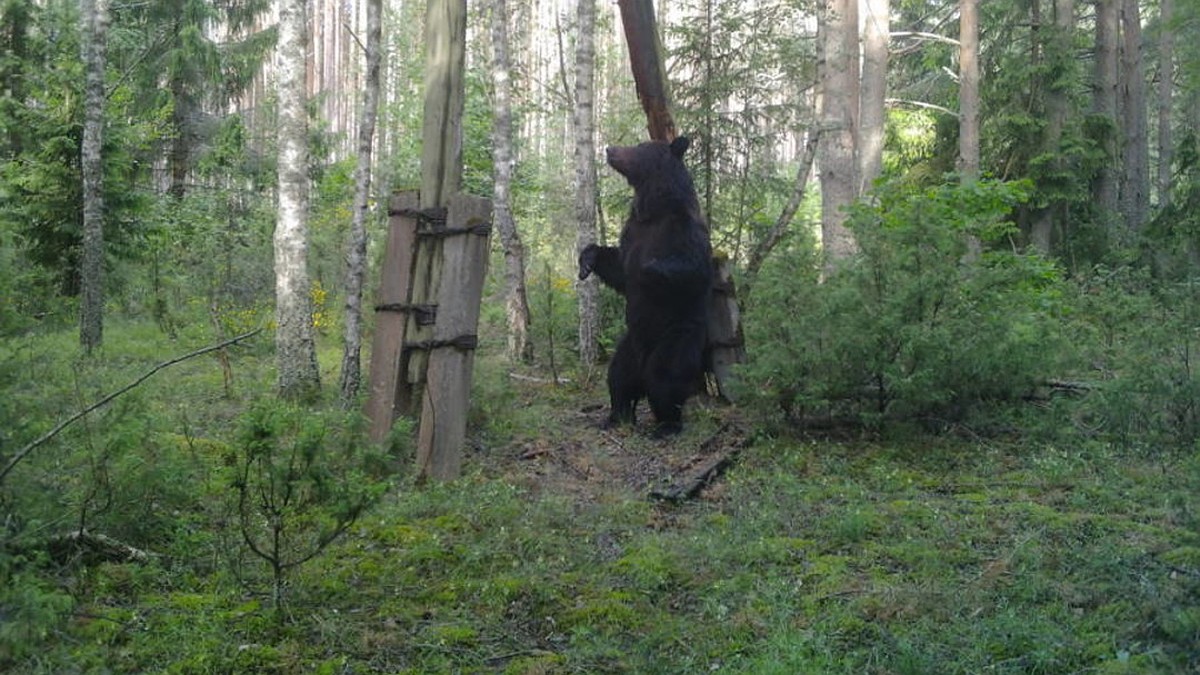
{"x":300,"y":479}
{"x":909,"y":329}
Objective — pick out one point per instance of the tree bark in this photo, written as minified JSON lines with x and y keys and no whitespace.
{"x":356,"y":249}
{"x":838,"y":63}
{"x":1135,"y":183}
{"x":1057,"y":103}
{"x":516,"y":304}
{"x":968,"y":90}
{"x":295,"y":349}
{"x":94,"y":31}
{"x":588,"y":290}
{"x":1166,"y":96}
{"x":872,"y":113}
{"x":1105,"y":190}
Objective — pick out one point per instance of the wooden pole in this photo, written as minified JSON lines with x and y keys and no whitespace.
{"x":645,"y":58}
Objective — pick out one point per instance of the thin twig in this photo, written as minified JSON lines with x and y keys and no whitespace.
{"x":21,"y":454}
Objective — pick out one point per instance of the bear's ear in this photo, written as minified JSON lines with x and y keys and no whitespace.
{"x":680,"y":146}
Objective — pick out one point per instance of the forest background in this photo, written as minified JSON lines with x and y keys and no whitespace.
{"x":964,"y":237}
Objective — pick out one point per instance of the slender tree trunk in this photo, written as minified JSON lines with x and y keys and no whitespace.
{"x":968,"y":90}
{"x":1135,"y":183}
{"x":181,"y":112}
{"x":873,"y":115}
{"x":294,"y":345}
{"x":837,"y":148}
{"x":588,"y":289}
{"x":516,"y":304}
{"x":780,"y":228}
{"x":1166,"y":96}
{"x":94,"y":32}
{"x":1105,"y":190}
{"x":356,"y":249}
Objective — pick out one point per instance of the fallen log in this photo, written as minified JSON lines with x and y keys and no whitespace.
{"x":706,"y":472}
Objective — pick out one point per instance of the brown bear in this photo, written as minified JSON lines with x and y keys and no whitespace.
{"x":663,"y":267}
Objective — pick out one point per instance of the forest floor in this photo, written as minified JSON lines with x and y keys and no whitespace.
{"x":556,"y":553}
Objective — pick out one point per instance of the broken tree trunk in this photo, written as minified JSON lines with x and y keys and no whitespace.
{"x":725,"y":345}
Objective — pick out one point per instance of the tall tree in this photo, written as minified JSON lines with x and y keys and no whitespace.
{"x":356,"y":250}
{"x":1057,"y":104}
{"x":585,"y":178}
{"x":872,"y":113}
{"x":296,"y":354}
{"x":516,"y":303}
{"x":968,"y":90}
{"x":1135,"y":149}
{"x":838,"y":145}
{"x":1105,"y":187}
{"x":94,"y":29}
{"x":1166,"y":95}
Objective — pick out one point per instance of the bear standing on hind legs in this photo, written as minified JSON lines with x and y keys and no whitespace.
{"x":663,"y":267}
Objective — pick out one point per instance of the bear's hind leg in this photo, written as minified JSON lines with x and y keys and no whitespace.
{"x":624,"y":385}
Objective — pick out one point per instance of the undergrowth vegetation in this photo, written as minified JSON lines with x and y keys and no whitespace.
{"x":952,"y":463}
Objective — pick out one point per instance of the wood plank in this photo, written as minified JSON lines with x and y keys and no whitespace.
{"x":387,"y":343}
{"x":447,"y":395}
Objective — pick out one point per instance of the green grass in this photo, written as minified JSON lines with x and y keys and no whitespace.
{"x":918,"y":555}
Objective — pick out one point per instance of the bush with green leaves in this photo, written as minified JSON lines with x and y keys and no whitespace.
{"x":914,"y":327}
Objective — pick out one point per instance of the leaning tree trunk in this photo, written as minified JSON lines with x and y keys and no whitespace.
{"x":94,"y":31}
{"x":516,"y":304}
{"x":837,"y":149}
{"x":872,"y":113}
{"x":294,"y":346}
{"x":356,"y":250}
{"x":585,"y":180}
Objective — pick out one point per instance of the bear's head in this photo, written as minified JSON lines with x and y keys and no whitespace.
{"x":639,"y":162}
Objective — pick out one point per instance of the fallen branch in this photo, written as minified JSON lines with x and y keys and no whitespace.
{"x":704,"y":475}
{"x":23,"y":452}
{"x":96,"y":546}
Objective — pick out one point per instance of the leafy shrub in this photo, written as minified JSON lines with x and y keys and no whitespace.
{"x":910,"y":328}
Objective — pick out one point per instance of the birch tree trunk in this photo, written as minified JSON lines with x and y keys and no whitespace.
{"x":873,"y":114}
{"x":295,"y":350}
{"x":356,"y":249}
{"x":968,"y":90}
{"x":588,"y":289}
{"x":516,"y":303}
{"x":94,"y":32}
{"x":1135,"y":183}
{"x":1166,"y":96}
{"x":837,"y":148}
{"x":1105,"y":190}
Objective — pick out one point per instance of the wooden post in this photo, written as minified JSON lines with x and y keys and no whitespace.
{"x":452,"y":347}
{"x":391,"y":315}
{"x":645,"y":58}
{"x":725,"y":345}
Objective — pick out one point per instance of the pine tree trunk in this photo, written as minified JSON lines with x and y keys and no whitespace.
{"x":516,"y":304}
{"x":94,"y":33}
{"x":873,"y":114}
{"x":356,"y":249}
{"x":1135,"y":183}
{"x":294,"y":346}
{"x":585,"y":180}
{"x":837,"y":149}
{"x":1166,"y":96}
{"x":1057,"y":105}
{"x":1105,"y":192}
